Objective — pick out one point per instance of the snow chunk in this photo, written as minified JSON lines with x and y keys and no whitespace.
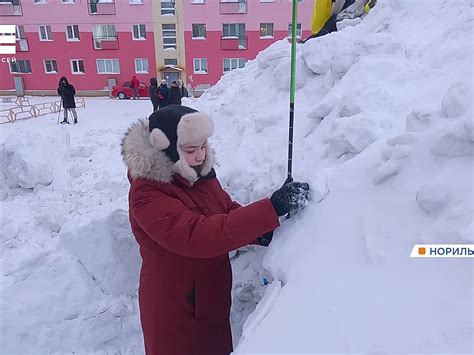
{"x":406,"y":138}
{"x":82,"y":151}
{"x":113,"y":261}
{"x":350,"y":108}
{"x":386,"y":170}
{"x":458,"y":100}
{"x":469,"y":128}
{"x":325,"y":107}
{"x":352,"y":135}
{"x":282,"y":74}
{"x":319,"y":53}
{"x":319,"y":188}
{"x":454,"y":144}
{"x":30,"y":158}
{"x":432,"y":198}
{"x":273,"y":54}
{"x":419,"y":120}
{"x":450,"y":193}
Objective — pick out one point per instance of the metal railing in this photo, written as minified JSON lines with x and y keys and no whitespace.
{"x":24,"y":110}
{"x":12,"y":8}
{"x":234,"y":43}
{"x":233,"y":7}
{"x":101,"y":8}
{"x":104,"y":43}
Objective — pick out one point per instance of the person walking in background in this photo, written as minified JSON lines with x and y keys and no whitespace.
{"x":184,"y":91}
{"x":154,"y":93}
{"x":163,"y":94}
{"x":67,"y":92}
{"x":186,"y":224}
{"x":175,"y":94}
{"x":134,"y":85}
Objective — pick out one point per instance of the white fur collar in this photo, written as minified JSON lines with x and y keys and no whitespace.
{"x":148,"y":162}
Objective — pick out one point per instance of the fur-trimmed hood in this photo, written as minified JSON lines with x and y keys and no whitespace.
{"x":143,"y":160}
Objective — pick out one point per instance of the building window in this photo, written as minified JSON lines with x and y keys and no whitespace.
{"x":50,"y":66}
{"x":266,"y":30}
{"x":72,"y":33}
{"x":77,"y":66}
{"x":198,"y":1}
{"x":298,"y":29}
{"x":20,"y":32}
{"x":68,"y":1}
{"x":103,"y":33}
{"x":39,"y":1}
{"x":200,"y":65}
{"x":199,"y":30}
{"x":141,"y":65}
{"x":108,"y":66}
{"x":139,"y":32}
{"x":167,"y":8}
{"x":233,"y":30}
{"x":171,"y":62}
{"x":169,"y":35}
{"x":233,"y":63}
{"x":20,"y":66}
{"x":135,"y":2}
{"x":45,"y":33}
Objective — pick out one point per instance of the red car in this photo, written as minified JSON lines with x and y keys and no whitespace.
{"x":125,"y":91}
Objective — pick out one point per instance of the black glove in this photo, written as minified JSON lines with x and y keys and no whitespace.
{"x":291,"y":196}
{"x":265,"y":239}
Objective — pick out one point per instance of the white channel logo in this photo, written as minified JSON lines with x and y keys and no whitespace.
{"x":7,"y":39}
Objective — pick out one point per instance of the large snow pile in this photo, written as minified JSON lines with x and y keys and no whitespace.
{"x":384,"y":134}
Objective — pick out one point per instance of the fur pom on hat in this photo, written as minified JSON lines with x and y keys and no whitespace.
{"x":194,"y":128}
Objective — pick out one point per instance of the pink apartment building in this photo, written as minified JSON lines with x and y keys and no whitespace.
{"x":89,"y":41}
{"x":221,"y":35}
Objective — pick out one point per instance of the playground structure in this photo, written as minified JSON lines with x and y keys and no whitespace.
{"x":24,"y":110}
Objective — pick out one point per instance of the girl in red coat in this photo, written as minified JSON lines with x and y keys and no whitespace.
{"x":186,"y":225}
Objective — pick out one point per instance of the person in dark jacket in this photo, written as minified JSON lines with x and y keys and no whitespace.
{"x":184,"y":91}
{"x":163,"y":94}
{"x":186,"y":224}
{"x":154,"y":93}
{"x":67,"y":92}
{"x":175,"y":94}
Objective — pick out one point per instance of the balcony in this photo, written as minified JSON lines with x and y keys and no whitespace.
{"x":234,"y":43}
{"x":233,"y":7}
{"x":101,"y":7}
{"x":22,"y":45}
{"x":106,"y":43}
{"x":10,"y":8}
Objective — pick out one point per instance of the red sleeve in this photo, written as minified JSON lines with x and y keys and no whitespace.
{"x":232,"y":205}
{"x":180,"y":230}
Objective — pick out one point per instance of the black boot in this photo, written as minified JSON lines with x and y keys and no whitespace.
{"x":75,"y":121}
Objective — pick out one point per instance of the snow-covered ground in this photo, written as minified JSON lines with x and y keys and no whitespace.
{"x":384,"y":133}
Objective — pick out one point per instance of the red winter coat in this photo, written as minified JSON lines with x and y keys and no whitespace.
{"x":134,"y":82}
{"x":185,"y":232}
